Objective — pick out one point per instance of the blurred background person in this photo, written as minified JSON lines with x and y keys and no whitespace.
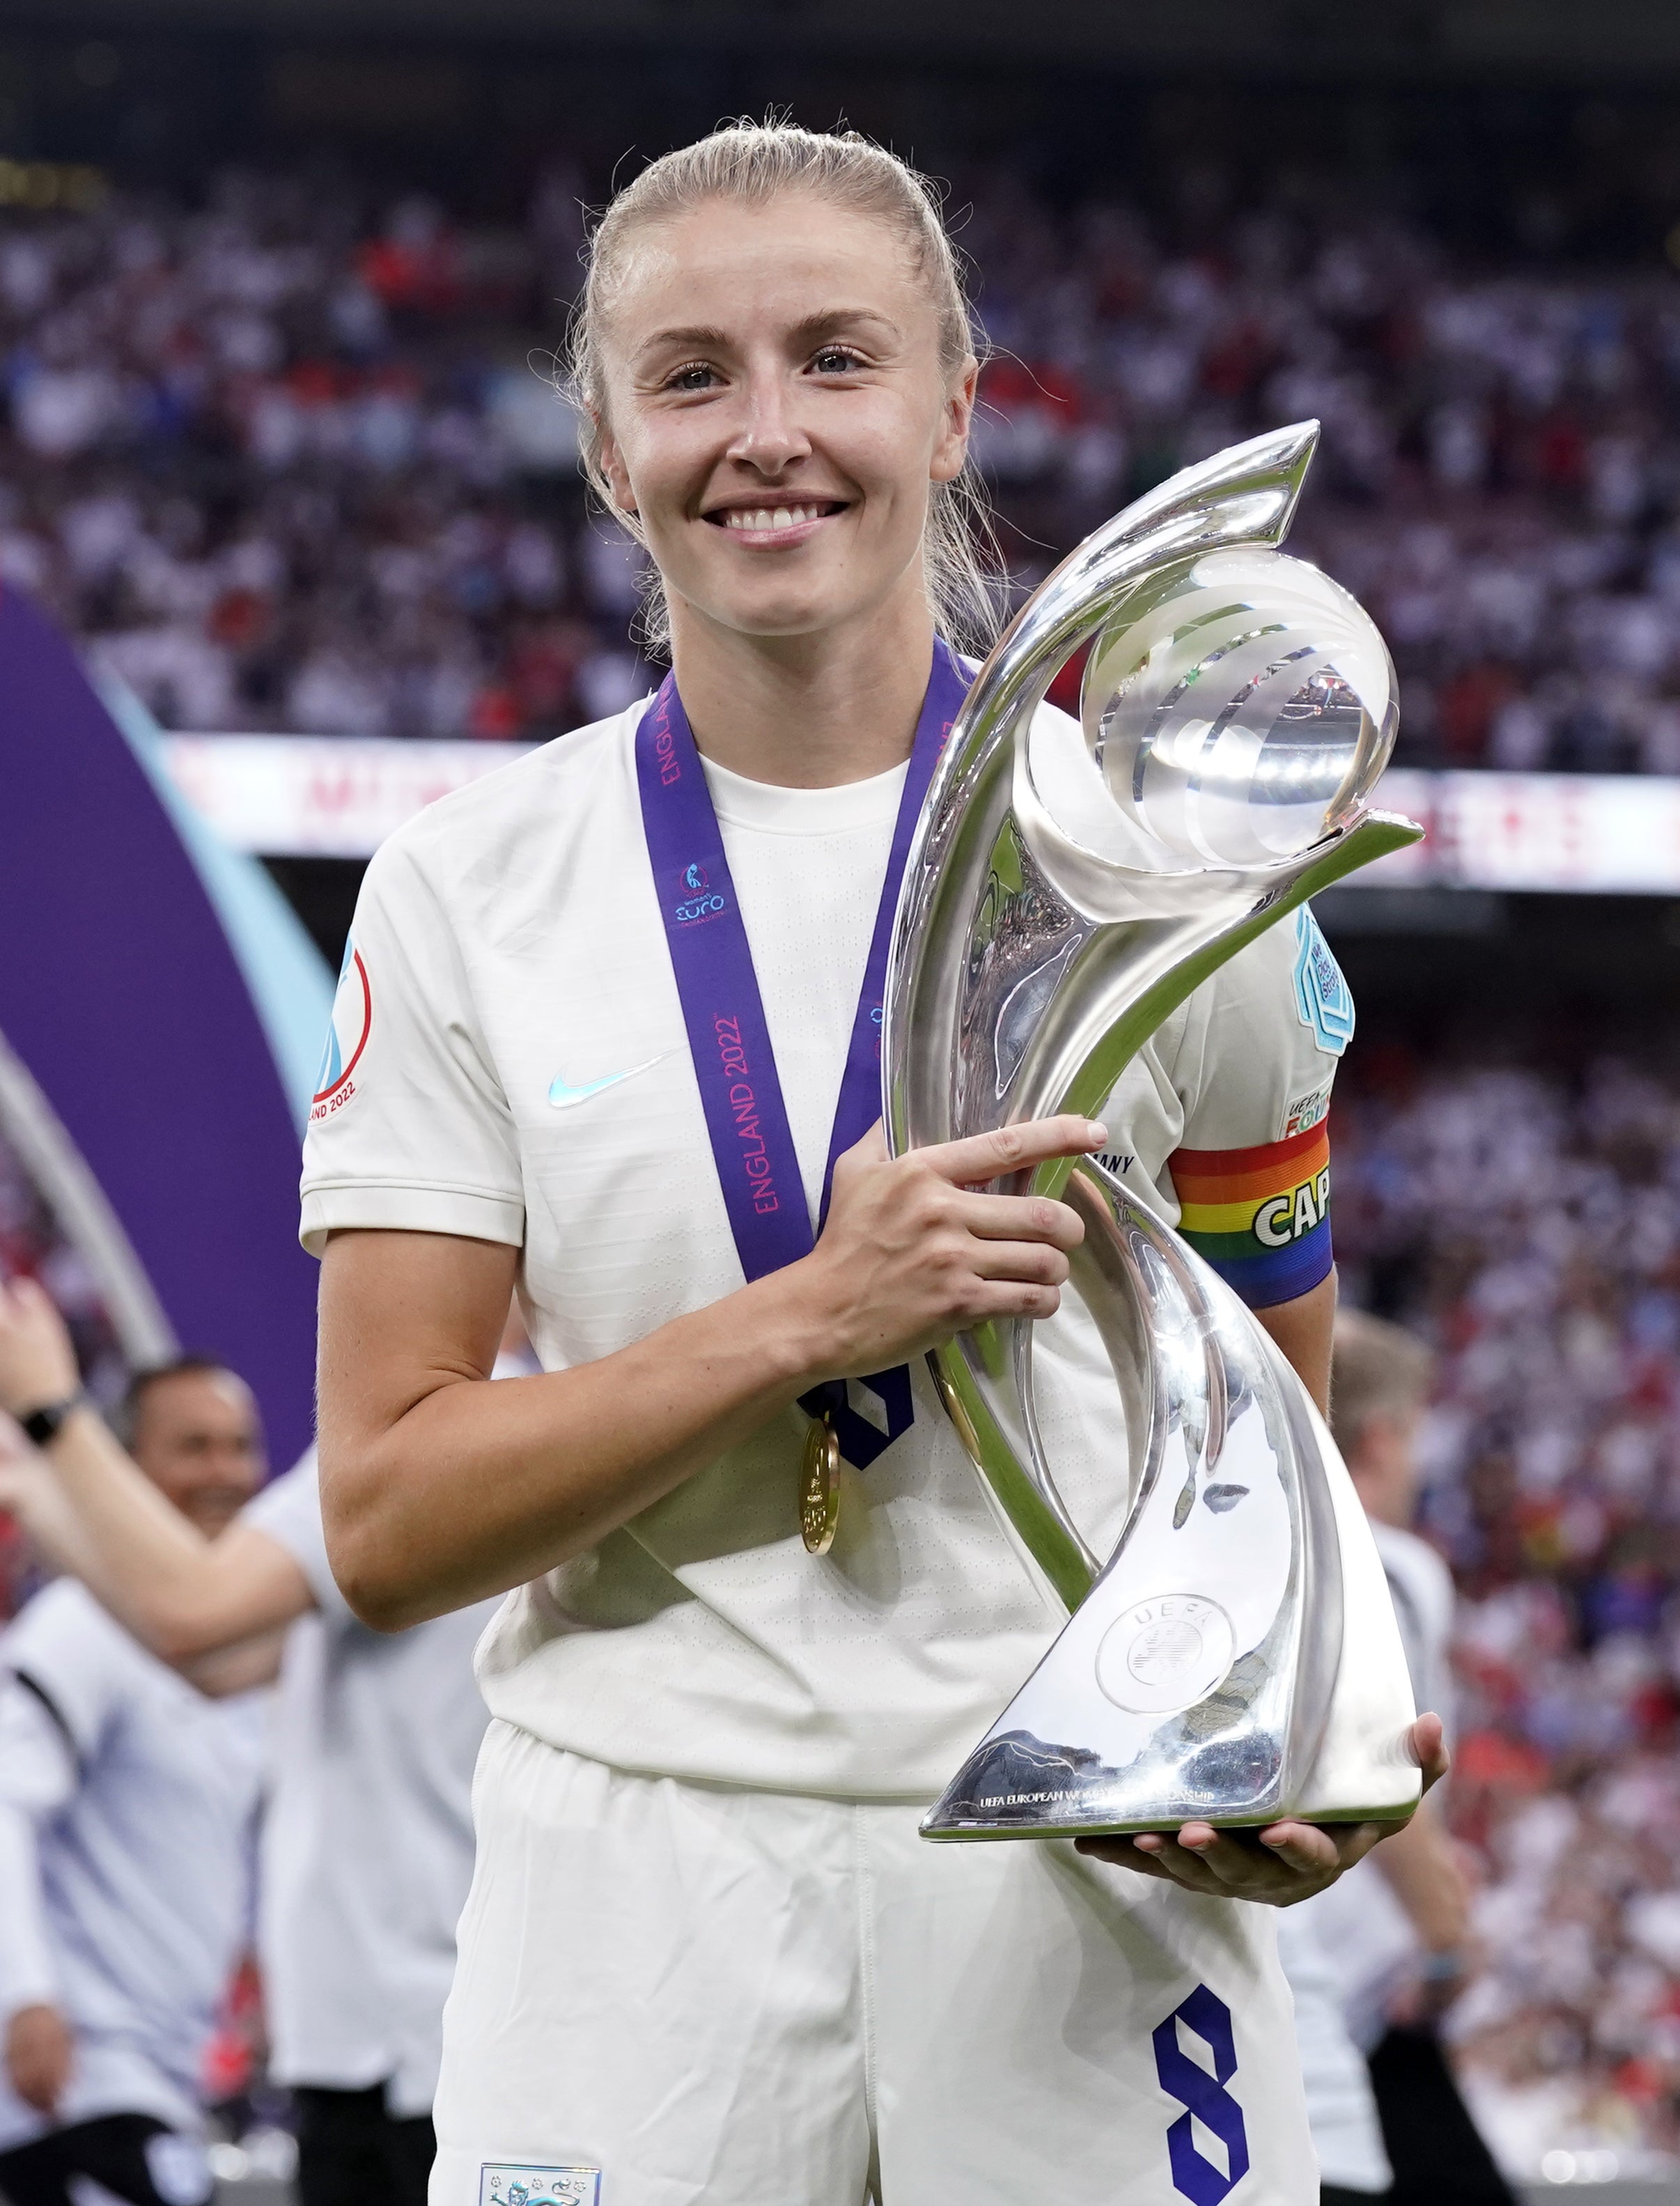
{"x":128,"y":1804}
{"x":1341,"y":2105}
{"x":1396,"y":1942}
{"x":367,"y":1839}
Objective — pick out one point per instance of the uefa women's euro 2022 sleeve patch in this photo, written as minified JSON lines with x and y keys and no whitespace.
{"x":1323,"y":999}
{"x":1260,"y":1216}
{"x":347,"y":1037}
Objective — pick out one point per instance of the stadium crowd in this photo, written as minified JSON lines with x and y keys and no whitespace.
{"x":1529,"y":1228}
{"x":290,"y":460}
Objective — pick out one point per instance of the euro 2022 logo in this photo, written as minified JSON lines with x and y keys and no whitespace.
{"x":1203,"y":2096}
{"x":347,"y":1037}
{"x":1322,"y":1001}
{"x":701,"y":901}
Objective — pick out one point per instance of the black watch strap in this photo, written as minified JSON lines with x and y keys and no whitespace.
{"x":43,"y":1425}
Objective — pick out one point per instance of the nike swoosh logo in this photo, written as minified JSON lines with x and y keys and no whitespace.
{"x":562,"y":1095}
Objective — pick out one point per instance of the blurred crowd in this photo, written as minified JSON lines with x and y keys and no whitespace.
{"x":1530,"y":1229}
{"x":293,"y":459}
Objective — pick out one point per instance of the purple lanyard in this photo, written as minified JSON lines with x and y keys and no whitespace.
{"x":728,"y":1038}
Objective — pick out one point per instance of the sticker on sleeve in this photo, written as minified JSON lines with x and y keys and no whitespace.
{"x":346,"y":1038}
{"x":1322,"y":997}
{"x":1306,"y":1111}
{"x":523,"y":2183}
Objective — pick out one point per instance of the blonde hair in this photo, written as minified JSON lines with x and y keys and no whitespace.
{"x":754,"y":161}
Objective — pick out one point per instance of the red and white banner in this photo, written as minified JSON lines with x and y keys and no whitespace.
{"x":320,"y":796}
{"x":1613,"y":834}
{"x":337,"y":796}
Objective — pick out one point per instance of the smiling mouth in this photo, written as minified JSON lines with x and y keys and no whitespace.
{"x":768,"y":520}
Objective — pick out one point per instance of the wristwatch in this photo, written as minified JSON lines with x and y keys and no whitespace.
{"x":43,"y":1425}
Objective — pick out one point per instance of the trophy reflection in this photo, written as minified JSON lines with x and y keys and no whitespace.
{"x":1237,"y":1658}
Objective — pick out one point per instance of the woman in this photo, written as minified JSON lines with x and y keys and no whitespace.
{"x":589,"y":1041}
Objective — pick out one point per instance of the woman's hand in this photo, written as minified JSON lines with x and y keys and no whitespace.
{"x":37,"y":1364}
{"x":40,"y":2053}
{"x":1282,"y":1863}
{"x":911,"y":1255}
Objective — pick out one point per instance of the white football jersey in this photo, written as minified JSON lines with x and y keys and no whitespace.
{"x":509,"y":1062}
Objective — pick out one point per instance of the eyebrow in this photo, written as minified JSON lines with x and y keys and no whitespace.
{"x":810,"y":328}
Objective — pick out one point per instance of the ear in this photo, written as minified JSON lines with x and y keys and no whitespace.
{"x":958,"y":418}
{"x":613,"y":468}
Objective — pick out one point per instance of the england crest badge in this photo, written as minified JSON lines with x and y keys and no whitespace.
{"x":521,"y":2183}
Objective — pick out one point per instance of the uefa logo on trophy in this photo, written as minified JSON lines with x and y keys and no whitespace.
{"x":1236,"y":1659}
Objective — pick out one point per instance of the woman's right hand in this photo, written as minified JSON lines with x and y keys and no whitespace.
{"x":912,"y":1254}
{"x":38,"y":1364}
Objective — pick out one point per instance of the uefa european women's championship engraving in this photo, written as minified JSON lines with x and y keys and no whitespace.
{"x":1237,"y":1658}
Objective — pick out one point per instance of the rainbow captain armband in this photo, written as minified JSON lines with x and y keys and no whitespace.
{"x":1261,"y":1217}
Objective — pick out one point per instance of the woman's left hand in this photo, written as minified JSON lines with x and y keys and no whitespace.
{"x":1278,"y":1865}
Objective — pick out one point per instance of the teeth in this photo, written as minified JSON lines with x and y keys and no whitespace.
{"x":766,"y":518}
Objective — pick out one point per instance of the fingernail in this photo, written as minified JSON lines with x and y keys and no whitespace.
{"x":1095,"y":1132}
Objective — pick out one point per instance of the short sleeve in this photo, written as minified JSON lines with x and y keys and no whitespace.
{"x":1254,"y":1072}
{"x":288,"y":1510}
{"x":72,"y":1661}
{"x":409,"y":1128}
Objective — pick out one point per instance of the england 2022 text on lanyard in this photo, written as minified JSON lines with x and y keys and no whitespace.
{"x":745,"y":1116}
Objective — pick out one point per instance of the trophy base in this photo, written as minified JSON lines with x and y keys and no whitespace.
{"x":1016,"y":1786}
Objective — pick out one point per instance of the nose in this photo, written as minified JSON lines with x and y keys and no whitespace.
{"x":770,"y":437}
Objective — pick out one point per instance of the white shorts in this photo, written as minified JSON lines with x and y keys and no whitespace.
{"x":669,"y":1992}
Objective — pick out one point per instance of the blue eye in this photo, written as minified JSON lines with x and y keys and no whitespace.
{"x":834,"y":360}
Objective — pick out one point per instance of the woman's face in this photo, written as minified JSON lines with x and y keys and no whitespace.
{"x":776,"y":411}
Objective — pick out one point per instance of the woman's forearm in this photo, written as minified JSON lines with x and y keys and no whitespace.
{"x":477,"y":1485}
{"x":439,"y":1488}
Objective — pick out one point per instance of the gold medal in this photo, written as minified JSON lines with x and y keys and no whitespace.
{"x":820,"y":1487}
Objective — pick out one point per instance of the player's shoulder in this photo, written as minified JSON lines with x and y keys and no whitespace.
{"x":1291,"y":958}
{"x":556,"y":784}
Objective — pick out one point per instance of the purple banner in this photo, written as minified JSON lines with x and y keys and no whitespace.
{"x":120,"y":993}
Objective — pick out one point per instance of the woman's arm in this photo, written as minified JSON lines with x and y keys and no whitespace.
{"x":1304,"y":1330}
{"x":439,"y":1489}
{"x":94,"y":1513}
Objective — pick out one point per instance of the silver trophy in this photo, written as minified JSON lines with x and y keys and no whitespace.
{"x":1237,"y":1658}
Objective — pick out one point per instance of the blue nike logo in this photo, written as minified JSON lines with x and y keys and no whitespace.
{"x":561,"y":1094}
